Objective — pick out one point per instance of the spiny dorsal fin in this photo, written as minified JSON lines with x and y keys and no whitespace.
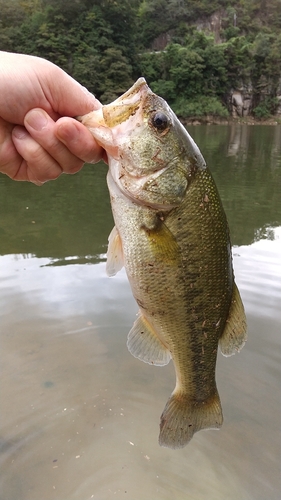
{"x":114,"y":261}
{"x":235,"y":332}
{"x":144,"y":344}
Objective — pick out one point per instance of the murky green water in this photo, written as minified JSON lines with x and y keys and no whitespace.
{"x":79,"y":415}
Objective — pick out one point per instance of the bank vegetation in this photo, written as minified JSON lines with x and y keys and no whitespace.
{"x":197,"y":54}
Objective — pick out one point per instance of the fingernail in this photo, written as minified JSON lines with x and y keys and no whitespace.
{"x":36,"y":119}
{"x":20,"y":132}
{"x":67,"y":133}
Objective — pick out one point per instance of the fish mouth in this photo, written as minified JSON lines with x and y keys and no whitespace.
{"x":125,"y":106}
{"x":108,"y":121}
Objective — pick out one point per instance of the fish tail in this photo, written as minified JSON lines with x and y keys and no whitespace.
{"x":182,"y":417}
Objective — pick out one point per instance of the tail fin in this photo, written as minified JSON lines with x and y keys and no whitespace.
{"x":183,"y":417}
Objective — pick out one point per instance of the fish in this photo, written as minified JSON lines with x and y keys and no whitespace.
{"x":171,"y":235}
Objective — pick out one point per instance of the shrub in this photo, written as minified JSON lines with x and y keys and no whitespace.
{"x":266,"y":108}
{"x":199,"y":107}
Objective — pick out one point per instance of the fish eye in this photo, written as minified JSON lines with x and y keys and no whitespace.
{"x":160,"y":121}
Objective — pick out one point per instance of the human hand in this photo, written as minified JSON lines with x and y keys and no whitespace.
{"x":38,"y":138}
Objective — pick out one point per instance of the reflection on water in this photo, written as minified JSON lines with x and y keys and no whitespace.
{"x":79,"y":415}
{"x":249,"y":181}
{"x":64,"y":218}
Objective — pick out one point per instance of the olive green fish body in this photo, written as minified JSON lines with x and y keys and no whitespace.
{"x":184,"y":296}
{"x":172,"y":236}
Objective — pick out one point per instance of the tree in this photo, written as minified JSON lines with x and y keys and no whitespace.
{"x":106,"y":44}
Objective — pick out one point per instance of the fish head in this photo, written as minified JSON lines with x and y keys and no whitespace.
{"x":152,"y":158}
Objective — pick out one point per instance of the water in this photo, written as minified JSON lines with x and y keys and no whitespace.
{"x":79,"y":415}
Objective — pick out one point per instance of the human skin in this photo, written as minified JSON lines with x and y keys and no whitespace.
{"x":39,"y":138}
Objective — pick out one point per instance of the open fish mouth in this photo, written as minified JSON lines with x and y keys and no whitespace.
{"x":126,"y":105}
{"x":120,"y":110}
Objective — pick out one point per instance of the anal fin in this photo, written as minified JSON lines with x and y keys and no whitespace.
{"x":144,"y":344}
{"x":114,"y":253}
{"x":234,"y":335}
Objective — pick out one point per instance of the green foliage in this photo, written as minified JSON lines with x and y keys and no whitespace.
{"x":199,"y":107}
{"x":11,"y":17}
{"x":266,"y":108}
{"x":107,"y":44}
{"x":164,"y":88}
{"x":267,"y":57}
{"x":196,"y":69}
{"x":238,"y":61}
{"x":154,"y":20}
{"x":115,"y":74}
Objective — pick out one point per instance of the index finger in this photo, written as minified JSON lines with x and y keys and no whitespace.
{"x":79,"y":140}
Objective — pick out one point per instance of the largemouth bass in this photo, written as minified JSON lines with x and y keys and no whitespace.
{"x":171,"y":234}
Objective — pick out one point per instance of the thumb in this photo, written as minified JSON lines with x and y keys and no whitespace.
{"x":67,"y":96}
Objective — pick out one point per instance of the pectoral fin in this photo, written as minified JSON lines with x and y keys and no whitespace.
{"x":144,"y":344}
{"x":235,"y":332}
{"x":114,"y":253}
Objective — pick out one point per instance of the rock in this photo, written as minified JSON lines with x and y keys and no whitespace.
{"x":241,"y":102}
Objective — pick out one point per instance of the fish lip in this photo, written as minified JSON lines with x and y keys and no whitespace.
{"x":131,"y":92}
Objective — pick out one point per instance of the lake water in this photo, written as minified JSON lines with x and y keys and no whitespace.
{"x":79,"y":416}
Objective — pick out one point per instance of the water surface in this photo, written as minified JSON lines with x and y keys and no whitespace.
{"x":79,"y":415}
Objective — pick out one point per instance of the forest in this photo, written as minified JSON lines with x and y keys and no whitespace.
{"x":193,"y":53}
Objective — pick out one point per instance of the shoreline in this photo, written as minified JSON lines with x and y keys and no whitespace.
{"x":215,"y":120}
